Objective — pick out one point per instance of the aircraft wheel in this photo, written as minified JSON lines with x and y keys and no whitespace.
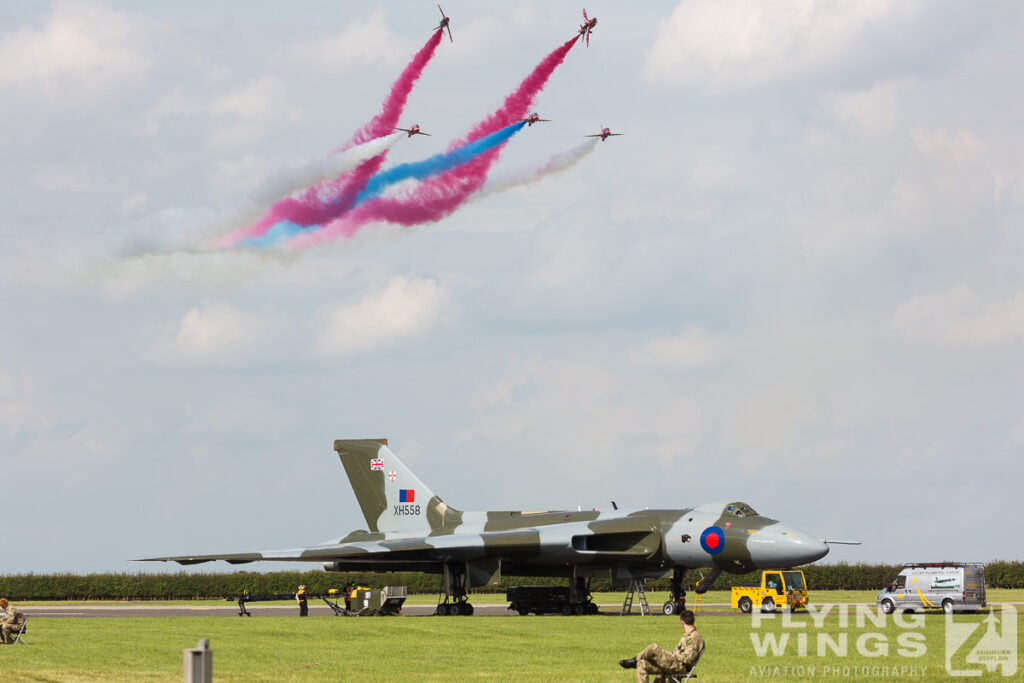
{"x":887,"y":606}
{"x":579,"y":608}
{"x":669,"y":608}
{"x":947,"y":606}
{"x":746,"y":605}
{"x":454,"y":610}
{"x":566,"y":610}
{"x":768,"y":605}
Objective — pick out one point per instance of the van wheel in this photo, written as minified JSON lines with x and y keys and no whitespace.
{"x":768,"y":605}
{"x":887,"y":606}
{"x":746,"y":605}
{"x":947,"y":606}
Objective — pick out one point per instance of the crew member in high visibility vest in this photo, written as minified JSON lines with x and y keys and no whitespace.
{"x":300,"y":598}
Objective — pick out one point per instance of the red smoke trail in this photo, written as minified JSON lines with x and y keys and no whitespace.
{"x":437,"y":197}
{"x":311,"y":208}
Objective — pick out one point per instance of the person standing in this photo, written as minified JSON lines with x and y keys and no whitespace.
{"x":348,"y":597}
{"x":12,"y":622}
{"x":300,"y":598}
{"x":654,"y":661}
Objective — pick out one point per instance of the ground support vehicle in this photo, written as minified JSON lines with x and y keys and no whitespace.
{"x":949,"y":586}
{"x":547,"y":600}
{"x":779,"y":589}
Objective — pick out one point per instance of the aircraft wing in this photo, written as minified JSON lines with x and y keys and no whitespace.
{"x":581,"y":540}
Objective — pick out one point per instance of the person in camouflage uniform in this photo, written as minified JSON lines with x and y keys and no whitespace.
{"x":10,"y":626}
{"x":654,"y":661}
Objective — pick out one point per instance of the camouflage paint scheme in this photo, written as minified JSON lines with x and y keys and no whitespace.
{"x":431,"y":536}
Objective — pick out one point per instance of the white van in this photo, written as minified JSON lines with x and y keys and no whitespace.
{"x":949,"y":586}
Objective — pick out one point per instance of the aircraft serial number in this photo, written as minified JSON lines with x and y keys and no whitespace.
{"x":404,"y":510}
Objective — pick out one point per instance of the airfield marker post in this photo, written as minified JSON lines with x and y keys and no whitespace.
{"x":199,"y":663}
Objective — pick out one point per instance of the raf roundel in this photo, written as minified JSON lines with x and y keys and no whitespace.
{"x":712,"y":540}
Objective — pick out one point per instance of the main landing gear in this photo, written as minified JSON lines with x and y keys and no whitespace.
{"x":454,"y":601}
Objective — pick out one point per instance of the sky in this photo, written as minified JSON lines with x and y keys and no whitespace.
{"x":795,"y":281}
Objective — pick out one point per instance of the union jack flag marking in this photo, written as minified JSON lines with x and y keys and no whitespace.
{"x":377,"y":464}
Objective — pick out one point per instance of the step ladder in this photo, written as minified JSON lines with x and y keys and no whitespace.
{"x":636,"y":586}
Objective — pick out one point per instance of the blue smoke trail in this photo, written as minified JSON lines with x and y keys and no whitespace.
{"x":436,"y":164}
{"x":418,"y":170}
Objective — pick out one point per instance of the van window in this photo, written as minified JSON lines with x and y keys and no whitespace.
{"x":901,"y":581}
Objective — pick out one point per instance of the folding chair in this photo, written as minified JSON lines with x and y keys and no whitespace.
{"x":675,"y":678}
{"x":17,"y":638}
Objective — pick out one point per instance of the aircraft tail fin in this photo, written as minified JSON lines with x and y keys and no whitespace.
{"x":391,"y":496}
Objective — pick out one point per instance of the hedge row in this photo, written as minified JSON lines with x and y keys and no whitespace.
{"x":184,"y":586}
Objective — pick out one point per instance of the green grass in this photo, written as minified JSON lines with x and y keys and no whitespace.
{"x":274,"y":648}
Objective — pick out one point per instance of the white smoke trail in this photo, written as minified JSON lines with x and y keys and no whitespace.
{"x":500,"y":182}
{"x":286,"y":182}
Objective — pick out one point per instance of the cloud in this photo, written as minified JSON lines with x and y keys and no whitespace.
{"x":362,"y":45}
{"x":958,"y":318}
{"x":738,"y":44}
{"x":405,"y":308}
{"x":80,"y":45}
{"x":214,"y":333}
{"x":692,"y":349}
{"x":24,"y":402}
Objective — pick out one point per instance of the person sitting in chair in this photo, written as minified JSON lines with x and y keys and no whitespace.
{"x":653,"y":660}
{"x":12,"y":622}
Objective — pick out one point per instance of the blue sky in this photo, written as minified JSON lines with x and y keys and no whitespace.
{"x":795,"y":281}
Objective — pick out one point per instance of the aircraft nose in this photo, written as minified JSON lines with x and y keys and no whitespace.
{"x":778,"y":546}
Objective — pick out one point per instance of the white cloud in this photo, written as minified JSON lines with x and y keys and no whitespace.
{"x":68,"y":177}
{"x":367,"y":44}
{"x":960,"y":147}
{"x":958,"y":318}
{"x":79,"y":45}
{"x":406,"y":307}
{"x":24,"y":402}
{"x":694,"y":348}
{"x":736,"y":44}
{"x":214,"y":332}
{"x":583,"y":408}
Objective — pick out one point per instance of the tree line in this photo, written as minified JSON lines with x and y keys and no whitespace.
{"x":189,"y":586}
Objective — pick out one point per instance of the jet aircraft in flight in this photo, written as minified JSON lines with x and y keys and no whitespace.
{"x":604,"y":134}
{"x":533,"y":118}
{"x":587,"y":26}
{"x":413,"y":130}
{"x":410,"y":528}
{"x":445,"y":21}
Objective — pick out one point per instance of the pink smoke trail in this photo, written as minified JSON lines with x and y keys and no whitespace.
{"x":438,"y":197}
{"x":310,"y":207}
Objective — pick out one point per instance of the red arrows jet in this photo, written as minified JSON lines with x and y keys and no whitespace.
{"x":533,"y":118}
{"x":604,"y":134}
{"x":444,"y":24}
{"x":413,"y":130}
{"x":587,"y":26}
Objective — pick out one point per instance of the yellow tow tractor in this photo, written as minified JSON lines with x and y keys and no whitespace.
{"x":785,"y":589}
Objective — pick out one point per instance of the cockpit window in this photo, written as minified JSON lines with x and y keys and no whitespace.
{"x":740,"y":510}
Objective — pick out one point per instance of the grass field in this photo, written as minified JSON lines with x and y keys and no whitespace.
{"x":475,"y":648}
